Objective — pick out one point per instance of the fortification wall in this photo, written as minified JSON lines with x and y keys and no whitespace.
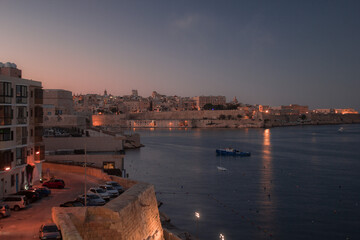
{"x":131,"y":216}
{"x":311,"y":119}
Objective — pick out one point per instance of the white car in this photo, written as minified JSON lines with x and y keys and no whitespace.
{"x":15,"y":202}
{"x":101,"y":193}
{"x":110,"y":189}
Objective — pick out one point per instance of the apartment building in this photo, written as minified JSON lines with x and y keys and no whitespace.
{"x":21,"y":117}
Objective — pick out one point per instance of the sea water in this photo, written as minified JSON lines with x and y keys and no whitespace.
{"x":299,"y":183}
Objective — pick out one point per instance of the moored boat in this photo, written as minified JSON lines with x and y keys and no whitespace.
{"x":232,"y":152}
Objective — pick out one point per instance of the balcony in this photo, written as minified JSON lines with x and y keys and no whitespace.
{"x":21,"y":100}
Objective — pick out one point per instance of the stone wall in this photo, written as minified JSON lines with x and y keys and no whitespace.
{"x":96,"y":160}
{"x":311,"y":119}
{"x":65,"y":121}
{"x":184,"y":119}
{"x":94,"y":144}
{"x":133,"y":215}
{"x":210,"y":119}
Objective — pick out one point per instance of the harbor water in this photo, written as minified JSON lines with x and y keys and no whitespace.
{"x":299,"y":183}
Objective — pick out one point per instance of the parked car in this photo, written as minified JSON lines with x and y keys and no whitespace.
{"x":72,"y":204}
{"x":116,"y":185}
{"x":15,"y":202}
{"x":4,"y":210}
{"x":31,"y":195}
{"x":43,"y":191}
{"x":111,"y":190}
{"x":91,"y":200}
{"x":49,"y":231}
{"x":54,"y":183}
{"x":101,"y":193}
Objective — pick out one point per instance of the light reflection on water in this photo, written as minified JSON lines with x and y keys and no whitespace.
{"x":300,"y":167}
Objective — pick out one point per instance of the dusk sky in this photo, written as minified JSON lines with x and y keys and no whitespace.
{"x":262,"y":52}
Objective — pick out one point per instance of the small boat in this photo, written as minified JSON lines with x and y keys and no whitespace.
{"x":232,"y":152}
{"x":341,"y":129}
{"x":221,"y":168}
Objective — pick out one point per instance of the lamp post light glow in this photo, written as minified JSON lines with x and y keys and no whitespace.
{"x":197,"y":217}
{"x":7,"y":168}
{"x":221,"y":236}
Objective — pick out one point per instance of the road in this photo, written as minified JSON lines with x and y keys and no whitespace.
{"x":25,"y":223}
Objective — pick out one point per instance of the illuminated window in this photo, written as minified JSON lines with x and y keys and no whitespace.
{"x":109,"y":165}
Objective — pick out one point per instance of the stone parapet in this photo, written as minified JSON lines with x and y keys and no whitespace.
{"x":131,"y":216}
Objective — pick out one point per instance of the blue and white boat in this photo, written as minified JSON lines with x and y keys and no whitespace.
{"x":232,"y":152}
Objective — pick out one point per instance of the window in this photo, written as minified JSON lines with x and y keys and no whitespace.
{"x":20,"y":156}
{"x":108,"y":165}
{"x":22,"y":177}
{"x":21,"y":94}
{"x":38,"y":96}
{"x":5,"y":92}
{"x":58,"y":112}
{"x":6,"y":115}
{"x":5,"y":134}
{"x":38,"y":114}
{"x":21,"y":115}
{"x":6,"y":159}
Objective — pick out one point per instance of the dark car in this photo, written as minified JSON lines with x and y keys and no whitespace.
{"x":116,"y":185}
{"x":54,"y":183}
{"x":49,"y":231}
{"x":72,"y":204}
{"x":31,"y":195}
{"x":43,"y":191}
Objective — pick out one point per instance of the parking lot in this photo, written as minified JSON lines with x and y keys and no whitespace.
{"x":25,"y":224}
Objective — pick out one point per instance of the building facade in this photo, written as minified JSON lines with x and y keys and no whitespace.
{"x":201,"y":101}
{"x":21,"y":118}
{"x":58,"y":102}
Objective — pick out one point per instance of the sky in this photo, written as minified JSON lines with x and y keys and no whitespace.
{"x":263,"y":52}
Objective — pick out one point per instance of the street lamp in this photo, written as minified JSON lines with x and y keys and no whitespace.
{"x":221,"y":236}
{"x":197,"y":217}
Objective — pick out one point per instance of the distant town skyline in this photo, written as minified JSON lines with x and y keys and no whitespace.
{"x":262,"y":52}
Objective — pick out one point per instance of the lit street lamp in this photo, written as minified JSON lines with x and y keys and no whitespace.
{"x":197,"y":217}
{"x":221,"y":236}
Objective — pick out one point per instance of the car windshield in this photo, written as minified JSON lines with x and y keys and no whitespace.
{"x":110,"y":188}
{"x":51,"y":228}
